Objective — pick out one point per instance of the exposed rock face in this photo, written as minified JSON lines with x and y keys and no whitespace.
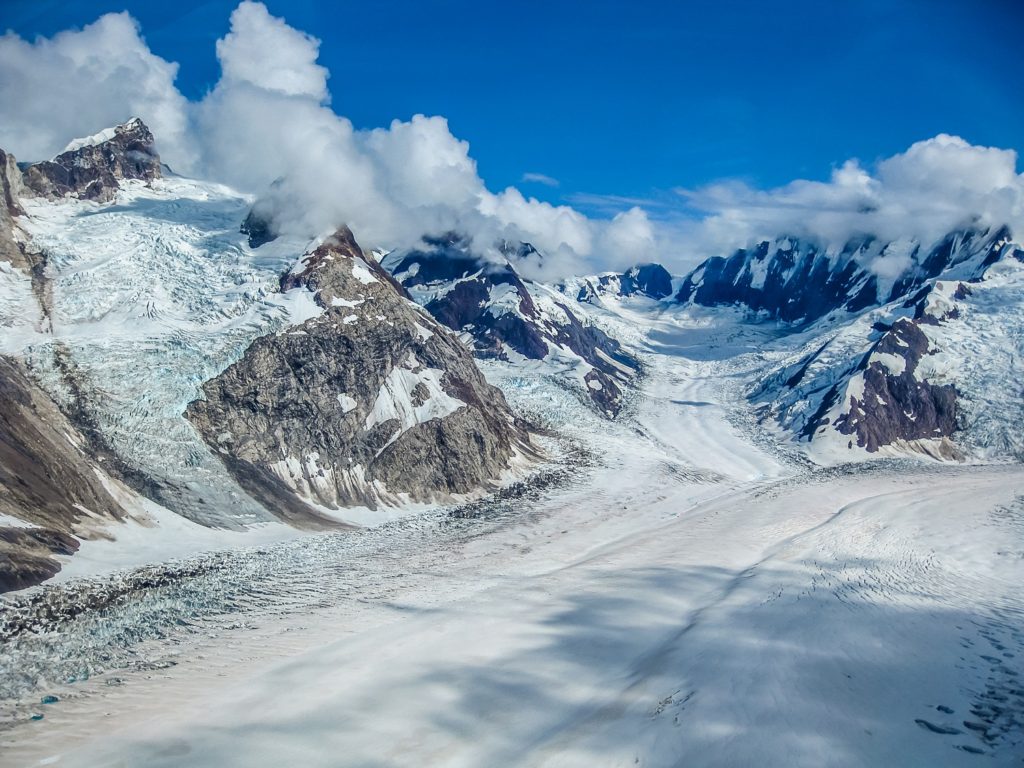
{"x":503,"y":314}
{"x":894,"y":403}
{"x":10,"y":187}
{"x":651,"y":280}
{"x":795,"y":281}
{"x":258,"y":227}
{"x":881,"y":380}
{"x":368,"y":400}
{"x":10,"y":207}
{"x":46,"y":480}
{"x":91,"y":171}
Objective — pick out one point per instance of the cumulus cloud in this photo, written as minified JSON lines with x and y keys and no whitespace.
{"x":264,"y":51}
{"x":936,"y":186}
{"x":268,"y":128}
{"x":629,"y":239}
{"x":390,"y":185}
{"x":80,"y":81}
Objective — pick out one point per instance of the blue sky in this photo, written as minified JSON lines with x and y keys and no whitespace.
{"x":629,"y":99}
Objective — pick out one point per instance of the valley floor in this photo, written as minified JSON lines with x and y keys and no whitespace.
{"x":684,"y":597}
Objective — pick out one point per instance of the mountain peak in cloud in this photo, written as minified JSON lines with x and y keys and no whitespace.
{"x":267,"y":129}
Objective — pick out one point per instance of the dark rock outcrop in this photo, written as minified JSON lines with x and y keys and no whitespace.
{"x":651,"y":280}
{"x":92,"y":171}
{"x":800,"y":282}
{"x":503,"y":314}
{"x":258,"y":227}
{"x":47,"y":480}
{"x":370,"y":402}
{"x":898,"y":405}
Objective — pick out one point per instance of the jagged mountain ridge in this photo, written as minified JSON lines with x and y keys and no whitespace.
{"x":90,"y":168}
{"x":650,"y":280}
{"x":927,"y":373}
{"x":121,"y":336}
{"x":118,"y":315}
{"x":798,"y":281}
{"x":502,"y":315}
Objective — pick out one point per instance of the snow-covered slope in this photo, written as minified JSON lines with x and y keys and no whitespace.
{"x":142,"y":301}
{"x":122,"y":292}
{"x":650,"y":280}
{"x":933,"y":373}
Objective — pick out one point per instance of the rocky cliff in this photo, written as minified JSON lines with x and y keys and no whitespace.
{"x":91,"y":168}
{"x":50,"y":490}
{"x":370,"y":402}
{"x":893,"y":401}
{"x":10,"y":209}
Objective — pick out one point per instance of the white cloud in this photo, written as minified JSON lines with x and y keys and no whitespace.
{"x":267,"y":128}
{"x":540,"y":178}
{"x":263,"y":50}
{"x":80,"y":81}
{"x":628,"y":239}
{"x":936,"y":186}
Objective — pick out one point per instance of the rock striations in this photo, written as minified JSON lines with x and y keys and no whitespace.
{"x":894,"y":402}
{"x":48,"y":482}
{"x":370,"y":402}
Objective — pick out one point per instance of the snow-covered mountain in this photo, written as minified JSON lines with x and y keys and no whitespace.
{"x":168,"y":354}
{"x":128,"y":297}
{"x":650,"y":280}
{"x":799,"y":282}
{"x":506,"y":317}
{"x":933,"y":373}
{"x":369,"y":401}
{"x":885,"y":339}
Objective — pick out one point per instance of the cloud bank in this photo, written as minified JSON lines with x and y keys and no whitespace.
{"x":269,"y":129}
{"x":934,"y":187}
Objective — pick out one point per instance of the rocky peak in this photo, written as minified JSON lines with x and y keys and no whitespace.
{"x":371,"y":402}
{"x":651,"y":280}
{"x":91,"y":168}
{"x":505,"y":315}
{"x":321,"y":271}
